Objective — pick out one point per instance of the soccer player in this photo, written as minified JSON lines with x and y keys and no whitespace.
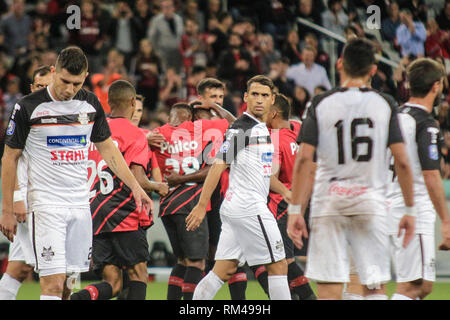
{"x":119,"y":226}
{"x":249,"y":230}
{"x":415,"y":264}
{"x":350,"y":129}
{"x":21,"y":257}
{"x":184,"y":153}
{"x":54,"y":127}
{"x":284,"y":136}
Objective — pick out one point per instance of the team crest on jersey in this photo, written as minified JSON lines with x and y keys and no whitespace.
{"x":11,"y":127}
{"x":47,"y":254}
{"x":267,"y":157}
{"x":279,"y":245}
{"x":225,"y":147}
{"x":83,"y":118}
{"x":433,"y":152}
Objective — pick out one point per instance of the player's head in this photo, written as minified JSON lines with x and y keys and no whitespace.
{"x":42,"y":77}
{"x":211,"y":91}
{"x":260,"y":96}
{"x":279,"y":111}
{"x":179,"y":113}
{"x":198,"y":112}
{"x":425,"y":76}
{"x":358,"y":60}
{"x":138,"y":110}
{"x":122,"y":98}
{"x":69,"y":73}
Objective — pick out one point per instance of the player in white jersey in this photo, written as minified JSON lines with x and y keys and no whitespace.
{"x":21,"y":257}
{"x":415,"y":265}
{"x":349,"y":128}
{"x":249,"y":230}
{"x":54,"y":127}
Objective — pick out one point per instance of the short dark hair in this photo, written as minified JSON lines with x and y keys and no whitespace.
{"x":140,"y":97}
{"x":282,"y":104}
{"x":198,"y":69}
{"x":119,"y":92}
{"x":209,"y":83}
{"x":182,"y":105}
{"x":41,"y":71}
{"x":358,"y":57}
{"x":73,"y":60}
{"x":422,"y":74}
{"x":263,"y":80}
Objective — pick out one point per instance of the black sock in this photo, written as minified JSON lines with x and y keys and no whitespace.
{"x":298,"y":283}
{"x":137,"y":290}
{"x":238,"y":284}
{"x":262,"y":277}
{"x":176,"y":282}
{"x":125,"y":289}
{"x":192,"y":277}
{"x":97,"y":291}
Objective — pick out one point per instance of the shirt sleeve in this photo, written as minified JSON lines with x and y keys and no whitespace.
{"x":395,"y":133}
{"x":427,"y":138}
{"x":18,"y":128}
{"x":100,"y":130}
{"x":309,"y":132}
{"x":137,"y":151}
{"x":235,"y":141}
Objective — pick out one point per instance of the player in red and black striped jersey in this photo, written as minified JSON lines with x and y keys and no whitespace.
{"x":284,"y":135}
{"x":183,"y":153}
{"x":118,"y":226}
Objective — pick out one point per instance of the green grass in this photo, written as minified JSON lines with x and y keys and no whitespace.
{"x":158,"y":291}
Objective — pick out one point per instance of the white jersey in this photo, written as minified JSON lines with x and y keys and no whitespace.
{"x":249,"y":151}
{"x":55,"y":136}
{"x":351,"y":129}
{"x":421,"y":134}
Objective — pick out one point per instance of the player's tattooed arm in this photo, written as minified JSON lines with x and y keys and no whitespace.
{"x":149,"y":186}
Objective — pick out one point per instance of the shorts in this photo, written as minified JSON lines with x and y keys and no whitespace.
{"x":121,"y":249}
{"x":62,"y":240}
{"x":255,"y":239}
{"x":416,"y":261}
{"x":21,"y":249}
{"x":334,"y":238}
{"x":192,"y":245}
{"x":289,"y":248}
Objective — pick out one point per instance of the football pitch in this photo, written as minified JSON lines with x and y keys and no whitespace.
{"x":158,"y":291}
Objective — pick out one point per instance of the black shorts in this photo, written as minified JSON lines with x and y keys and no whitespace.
{"x":186,"y":244}
{"x":121,"y":249}
{"x":290,"y":249}
{"x":213,"y":216}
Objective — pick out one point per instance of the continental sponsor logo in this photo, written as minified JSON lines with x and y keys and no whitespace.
{"x":67,"y":141}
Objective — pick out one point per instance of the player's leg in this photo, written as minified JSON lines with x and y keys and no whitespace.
{"x":238,"y":284}
{"x":353,"y":290}
{"x":138,"y":281}
{"x":52,"y":286}
{"x":261,"y":275}
{"x":16,"y":273}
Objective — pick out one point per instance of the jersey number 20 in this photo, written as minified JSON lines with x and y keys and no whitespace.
{"x":356,"y":140}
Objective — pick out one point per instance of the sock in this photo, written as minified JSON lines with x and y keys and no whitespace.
{"x":279,"y":288}
{"x":192,"y":277}
{"x":9,"y":287}
{"x":207,"y":288}
{"x":137,"y":290}
{"x":261,"y":275}
{"x":44,"y":297}
{"x":176,"y":282}
{"x":123,"y":294}
{"x":238,"y":284}
{"x":376,"y":297}
{"x":351,"y":296}
{"x":97,"y":291}
{"x":298,"y":283}
{"x":398,"y":296}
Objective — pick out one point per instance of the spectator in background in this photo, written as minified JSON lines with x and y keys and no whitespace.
{"x":334,"y":18}
{"x":319,"y":90}
{"x":219,"y":42}
{"x":165,"y":34}
{"x":411,"y":35}
{"x":194,"y":46}
{"x":390,"y":24}
{"x":191,"y":12}
{"x":212,"y":13}
{"x":300,"y":100}
{"x":308,"y":74}
{"x":12,"y":95}
{"x":417,"y":8}
{"x":321,"y":57}
{"x":148,"y":70}
{"x":443,"y":18}
{"x":172,"y":90}
{"x":291,"y":47}
{"x":438,"y":41}
{"x":275,"y":16}
{"x":15,"y":28}
{"x":235,"y":64}
{"x":198,"y":74}
{"x":268,"y":52}
{"x":399,"y":76}
{"x":278,"y":76}
{"x":142,"y":17}
{"x":309,"y":10}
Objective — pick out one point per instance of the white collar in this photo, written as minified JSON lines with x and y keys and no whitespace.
{"x":417,"y":106}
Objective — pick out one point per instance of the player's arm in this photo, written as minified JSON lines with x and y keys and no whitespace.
{"x":148,"y":186}
{"x":197,"y":214}
{"x":20,"y":211}
{"x":223,"y":113}
{"x":277,"y":187}
{"x":199,"y":176}
{"x":156,"y":174}
{"x":8,"y":222}
{"x":115,"y":161}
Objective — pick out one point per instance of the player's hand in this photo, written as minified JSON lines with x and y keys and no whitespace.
{"x":20,"y":211}
{"x":407,"y":223}
{"x":195,"y":218}
{"x":287,"y":196}
{"x":163,"y":189}
{"x":173,"y":179}
{"x":296,"y":229}
{"x":143,"y":201}
{"x":445,"y":231}
{"x":8,"y":225}
{"x":155,"y":139}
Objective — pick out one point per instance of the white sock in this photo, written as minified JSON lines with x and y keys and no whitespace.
{"x":44,"y":297}
{"x":9,"y":287}
{"x":351,"y":296}
{"x":376,"y":297}
{"x":279,"y":288}
{"x":398,"y":296}
{"x":207,"y":288}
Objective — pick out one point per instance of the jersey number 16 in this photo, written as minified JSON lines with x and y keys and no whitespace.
{"x":356,"y":140}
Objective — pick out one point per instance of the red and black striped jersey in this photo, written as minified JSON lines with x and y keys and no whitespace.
{"x":113,"y":207}
{"x":187,"y":148}
{"x":152,"y":161}
{"x":286,"y":148}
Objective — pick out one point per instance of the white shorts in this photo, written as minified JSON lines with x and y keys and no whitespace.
{"x":255,"y":239}
{"x":416,"y":261}
{"x":334,"y":239}
{"x":62,"y":240}
{"x":21,"y":249}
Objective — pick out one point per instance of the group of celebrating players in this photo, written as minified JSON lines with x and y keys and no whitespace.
{"x":76,"y":188}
